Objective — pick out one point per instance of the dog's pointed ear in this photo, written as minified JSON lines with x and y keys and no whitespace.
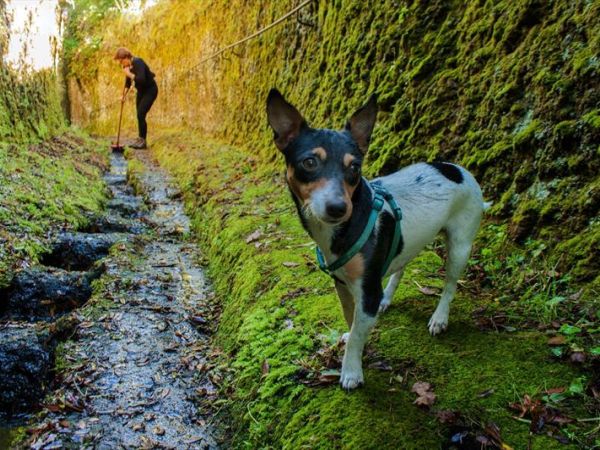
{"x":285,"y":120}
{"x":362,"y":122}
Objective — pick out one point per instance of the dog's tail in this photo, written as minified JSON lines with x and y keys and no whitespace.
{"x":487,"y":205}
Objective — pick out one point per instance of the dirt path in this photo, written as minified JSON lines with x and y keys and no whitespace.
{"x":134,"y":376}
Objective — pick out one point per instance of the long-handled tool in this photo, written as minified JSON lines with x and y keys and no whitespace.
{"x":117,"y":147}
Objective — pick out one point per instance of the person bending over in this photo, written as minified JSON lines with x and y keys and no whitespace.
{"x":147,"y":90}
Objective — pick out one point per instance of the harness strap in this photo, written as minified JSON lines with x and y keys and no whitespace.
{"x":380,"y":196}
{"x":397,"y":211}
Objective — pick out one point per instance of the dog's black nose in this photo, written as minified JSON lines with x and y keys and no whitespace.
{"x":336,"y":210}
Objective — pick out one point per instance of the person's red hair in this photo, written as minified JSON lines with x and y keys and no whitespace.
{"x":123,"y":53}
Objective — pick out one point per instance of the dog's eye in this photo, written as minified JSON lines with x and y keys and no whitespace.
{"x":310,"y":164}
{"x":354,"y":169}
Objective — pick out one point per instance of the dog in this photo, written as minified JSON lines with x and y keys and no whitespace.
{"x":336,"y":204}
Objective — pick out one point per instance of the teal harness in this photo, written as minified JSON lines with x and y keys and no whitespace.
{"x":380,"y":196}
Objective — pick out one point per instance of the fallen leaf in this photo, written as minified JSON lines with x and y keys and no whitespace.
{"x":158,"y":430}
{"x":426,"y":396}
{"x":329,"y":376}
{"x":147,"y":443}
{"x":165,"y":392}
{"x":577,"y":357}
{"x":265,"y":368}
{"x":574,"y":297}
{"x":556,"y":390}
{"x":557,"y":340}
{"x":421,"y":387}
{"x":486,"y":393}
{"x":381,"y":365}
{"x":427,"y":290}
{"x":483,"y":440}
{"x":255,"y":236}
{"x":559,"y":419}
{"x":290,"y":264}
{"x":447,"y":416}
{"x":199,"y":320}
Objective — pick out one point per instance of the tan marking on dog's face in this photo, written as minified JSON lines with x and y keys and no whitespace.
{"x":320,"y":152}
{"x":355,"y":268}
{"x":303,"y":191}
{"x":348,"y":158}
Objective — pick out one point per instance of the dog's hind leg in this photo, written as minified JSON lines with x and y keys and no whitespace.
{"x":458,"y":242}
{"x":390,"y":289}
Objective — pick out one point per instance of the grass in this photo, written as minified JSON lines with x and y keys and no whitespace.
{"x":281,"y":318}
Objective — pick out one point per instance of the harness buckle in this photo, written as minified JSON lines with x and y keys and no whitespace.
{"x":378,"y":202}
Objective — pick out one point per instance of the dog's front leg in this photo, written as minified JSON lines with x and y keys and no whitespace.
{"x":365,"y":311}
{"x":347,"y":301}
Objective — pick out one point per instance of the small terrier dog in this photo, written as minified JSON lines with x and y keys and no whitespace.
{"x":335,"y":203}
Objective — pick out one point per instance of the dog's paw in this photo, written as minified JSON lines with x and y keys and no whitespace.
{"x":438,"y":323}
{"x":385,"y":303}
{"x":344,"y":337}
{"x":351,"y":378}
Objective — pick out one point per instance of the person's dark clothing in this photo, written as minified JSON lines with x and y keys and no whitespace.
{"x":143,"y":102}
{"x":144,"y":78}
{"x":147,"y":91}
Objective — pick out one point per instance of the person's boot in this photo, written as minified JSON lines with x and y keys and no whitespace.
{"x":139,"y":144}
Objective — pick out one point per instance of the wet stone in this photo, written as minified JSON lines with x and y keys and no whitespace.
{"x":40,"y":293}
{"x":126,"y":206}
{"x":114,"y":224}
{"x":25,"y":361}
{"x":79,"y":251}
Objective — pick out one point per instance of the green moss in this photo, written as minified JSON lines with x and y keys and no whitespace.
{"x":30,"y":110}
{"x":592,"y":118}
{"x":46,"y":186}
{"x":279,"y":317}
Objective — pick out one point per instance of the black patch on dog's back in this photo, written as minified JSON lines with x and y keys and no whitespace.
{"x":450,"y":171}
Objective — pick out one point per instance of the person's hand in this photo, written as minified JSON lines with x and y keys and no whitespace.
{"x":128,"y":71}
{"x":123,"y":98}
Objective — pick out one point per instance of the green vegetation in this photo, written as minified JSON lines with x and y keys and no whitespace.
{"x":46,"y":186}
{"x":281,"y":321}
{"x":49,"y":175}
{"x":29,"y":106}
{"x":510,"y":90}
{"x":507,"y":89}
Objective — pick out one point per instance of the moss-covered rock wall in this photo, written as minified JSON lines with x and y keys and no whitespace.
{"x":509,"y":89}
{"x":50,"y":177}
{"x":29,"y":106}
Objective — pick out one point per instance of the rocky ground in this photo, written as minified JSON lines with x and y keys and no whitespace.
{"x":112,"y":329}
